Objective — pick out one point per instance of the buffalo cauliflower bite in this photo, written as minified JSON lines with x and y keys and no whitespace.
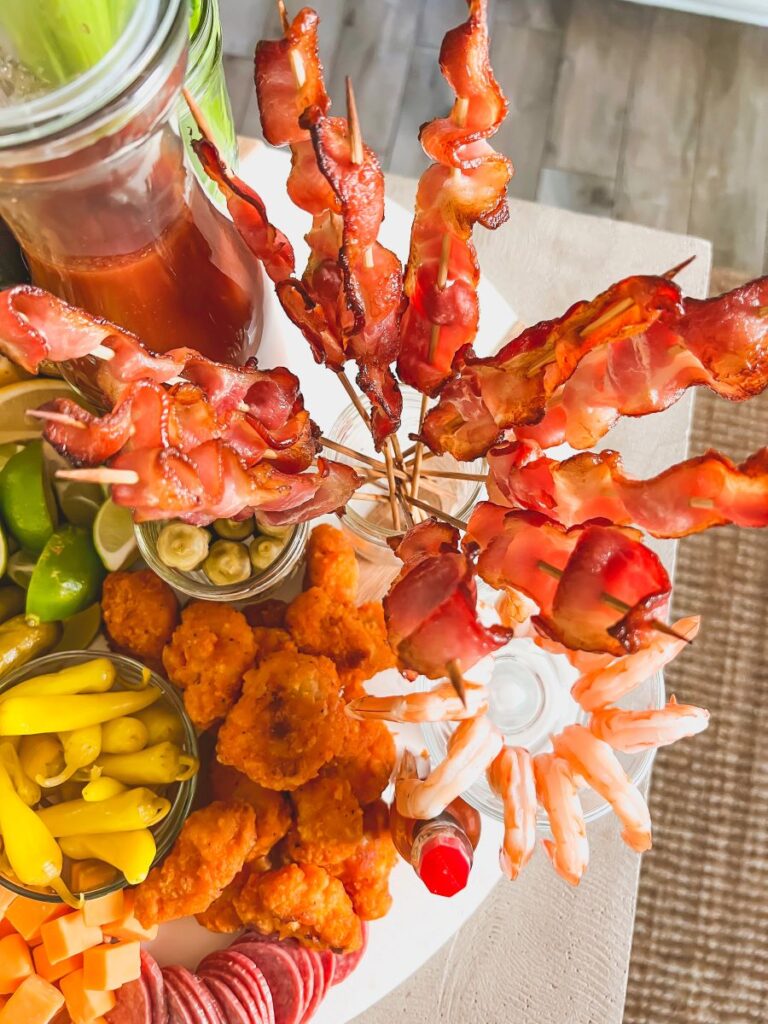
{"x":140,"y":613}
{"x":332,"y":563}
{"x":365,"y":874}
{"x":366,"y":760}
{"x":302,"y":902}
{"x":273,"y":811}
{"x":288,"y":723}
{"x":210,"y":850}
{"x":207,"y":656}
{"x":329,"y":822}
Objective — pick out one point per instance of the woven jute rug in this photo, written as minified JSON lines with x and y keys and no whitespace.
{"x":700,"y":949}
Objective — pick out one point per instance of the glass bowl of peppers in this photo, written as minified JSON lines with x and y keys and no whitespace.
{"x":98,"y":772}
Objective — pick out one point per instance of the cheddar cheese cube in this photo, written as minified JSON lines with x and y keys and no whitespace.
{"x":84,"y":1004}
{"x":52,"y":972}
{"x":104,"y":910}
{"x":27,"y":916}
{"x":15,"y":963}
{"x":35,"y":1001}
{"x":129,"y":927}
{"x":67,"y":936}
{"x":110,"y":967}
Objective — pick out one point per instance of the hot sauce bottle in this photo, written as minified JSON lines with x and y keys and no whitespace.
{"x":440,"y":850}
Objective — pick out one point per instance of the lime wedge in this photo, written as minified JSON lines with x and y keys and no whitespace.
{"x":3,"y":552}
{"x":10,"y":372}
{"x":79,"y":502}
{"x":20,"y":567}
{"x":7,"y":450}
{"x":113,"y":536}
{"x":26,"y":498}
{"x":80,"y":630}
{"x":16,"y":399}
{"x":67,"y":576}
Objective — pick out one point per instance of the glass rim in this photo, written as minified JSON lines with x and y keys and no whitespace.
{"x":185,"y":794}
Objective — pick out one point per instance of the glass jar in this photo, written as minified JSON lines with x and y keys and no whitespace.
{"x":197,"y":585}
{"x":181,"y":795}
{"x":369,"y":523}
{"x":95,"y":186}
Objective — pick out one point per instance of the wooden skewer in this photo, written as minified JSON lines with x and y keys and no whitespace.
{"x":285,"y":21}
{"x":672,"y":273}
{"x":369,"y":497}
{"x":367,"y":460}
{"x":197,"y":115}
{"x":457,"y":680}
{"x":49,"y":416}
{"x":354,"y":398}
{"x":437,"y":512}
{"x":99,"y":475}
{"x":701,"y":502}
{"x":613,"y":311}
{"x":393,"y":495}
{"x":356,"y":150}
{"x":442,"y":474}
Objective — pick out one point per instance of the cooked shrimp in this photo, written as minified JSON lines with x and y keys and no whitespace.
{"x":597,"y":764}
{"x":635,"y":731}
{"x":511,"y":777}
{"x":471,"y":749}
{"x":607,"y":684}
{"x":556,"y":789}
{"x":441,"y":704}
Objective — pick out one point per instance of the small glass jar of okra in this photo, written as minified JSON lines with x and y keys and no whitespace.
{"x":229,"y":560}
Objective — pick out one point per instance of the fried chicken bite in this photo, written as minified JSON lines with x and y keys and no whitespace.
{"x":332,"y":563}
{"x":140,"y":613}
{"x":288,"y":723}
{"x":366,"y":761}
{"x":207,"y":656}
{"x":302,"y":902}
{"x":273,"y":811}
{"x":329,"y":823}
{"x":210,"y":850}
{"x":270,"y":640}
{"x":365,"y":874}
{"x":222,"y":916}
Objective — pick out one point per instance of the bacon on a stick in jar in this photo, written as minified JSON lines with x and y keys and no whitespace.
{"x":465,"y":185}
{"x":598,"y":587}
{"x":431,"y":608}
{"x":704,"y":491}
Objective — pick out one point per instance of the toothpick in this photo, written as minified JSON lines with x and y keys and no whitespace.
{"x":354,"y":398}
{"x":611,"y":313}
{"x":49,"y":416}
{"x":197,"y":115}
{"x":99,"y":475}
{"x":342,"y":449}
{"x":356,"y":152}
{"x":393,"y":502}
{"x":457,"y":680}
{"x":701,"y":502}
{"x":672,"y":273}
{"x":437,"y":512}
{"x":285,"y":21}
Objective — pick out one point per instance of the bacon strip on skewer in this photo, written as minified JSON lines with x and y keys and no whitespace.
{"x":464,"y":186}
{"x":719,"y":343}
{"x":708,"y":490}
{"x":597,"y":587}
{"x":431,"y":608}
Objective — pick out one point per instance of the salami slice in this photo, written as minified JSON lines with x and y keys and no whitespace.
{"x":301,"y":958}
{"x":231,"y":962}
{"x":231,"y":1008}
{"x":133,"y":1005}
{"x":197,"y":996}
{"x":283,"y":977}
{"x":152,"y":977}
{"x":238,"y":988}
{"x":346,"y":963}
{"x":318,"y":985}
{"x":328,"y":963}
{"x":178,"y":1010}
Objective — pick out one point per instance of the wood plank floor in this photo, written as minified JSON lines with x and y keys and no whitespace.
{"x":616,"y":109}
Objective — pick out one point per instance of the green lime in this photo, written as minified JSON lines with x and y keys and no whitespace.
{"x":3,"y":552}
{"x":7,"y":450}
{"x":79,"y":502}
{"x":80,"y":630}
{"x":26,"y":498}
{"x":66,"y":578}
{"x":20,"y":567}
{"x":113,"y":536}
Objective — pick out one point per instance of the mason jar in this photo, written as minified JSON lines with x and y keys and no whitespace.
{"x":96,"y":186}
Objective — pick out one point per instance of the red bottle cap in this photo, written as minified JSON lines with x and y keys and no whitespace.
{"x":444,"y":864}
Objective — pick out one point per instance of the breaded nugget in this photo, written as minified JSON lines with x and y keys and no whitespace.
{"x":366,"y":760}
{"x":303,"y":902}
{"x":329,"y":822}
{"x":209,"y":851}
{"x":332,"y":563}
{"x":222,"y":916}
{"x":140,"y":613}
{"x":269,"y":640}
{"x":288,"y":723}
{"x":365,"y":874}
{"x":207,"y":656}
{"x":273,"y":810}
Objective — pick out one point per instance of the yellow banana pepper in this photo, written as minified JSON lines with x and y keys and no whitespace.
{"x":126,"y":812}
{"x":124,"y":736}
{"x":156,"y":766}
{"x":102,"y":788}
{"x":33,"y":854}
{"x":26,"y":716}
{"x":130,"y":852}
{"x":163,"y":723}
{"x":41,"y":756}
{"x":95,"y":676}
{"x":81,"y":748}
{"x":28,"y":790}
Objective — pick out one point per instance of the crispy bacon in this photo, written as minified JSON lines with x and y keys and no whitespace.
{"x":514,"y":386}
{"x":466,"y":185}
{"x":431,"y":608}
{"x":597,"y":587}
{"x":700,"y":492}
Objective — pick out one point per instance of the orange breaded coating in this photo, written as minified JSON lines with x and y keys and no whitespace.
{"x":269,"y":640}
{"x":366,"y":761}
{"x":288,"y":723}
{"x":332,"y":563}
{"x":222,"y":916}
{"x":303,"y":902}
{"x":365,"y":875}
{"x":209,"y":851}
{"x":329,"y":822}
{"x":140,"y":613}
{"x":273,"y":811}
{"x":381,"y":657}
{"x":207,"y":656}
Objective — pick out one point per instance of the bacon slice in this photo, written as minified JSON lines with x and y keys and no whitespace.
{"x":466,"y":185}
{"x":431,"y":608}
{"x":597,"y":587}
{"x":709,"y":490}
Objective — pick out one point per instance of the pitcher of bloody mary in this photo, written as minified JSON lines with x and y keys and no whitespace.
{"x":95,"y":185}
